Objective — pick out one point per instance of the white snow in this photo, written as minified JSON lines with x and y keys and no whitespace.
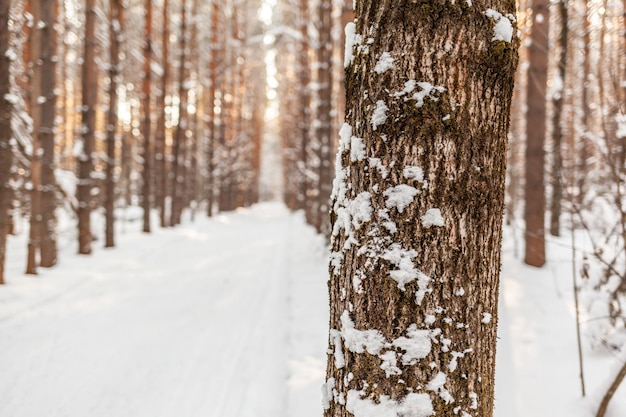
{"x":432,"y":218}
{"x":416,"y":345}
{"x":229,"y":317}
{"x":351,"y":41}
{"x":400,"y":196}
{"x":486,"y":318}
{"x":357,"y":149}
{"x":427,"y":90}
{"x":385,"y":62}
{"x":413,"y":173}
{"x":359,"y":341}
{"x":413,"y":405}
{"x":380,"y":114}
{"x":503,"y":29}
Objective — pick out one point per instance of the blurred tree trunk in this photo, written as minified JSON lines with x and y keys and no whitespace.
{"x":178,"y":161}
{"x":48,"y":100}
{"x":85,"y":156}
{"x":304,"y":105}
{"x":116,"y":24}
{"x":211,"y":119}
{"x":161,"y":130}
{"x":417,"y":211}
{"x":556,"y":179}
{"x":323,"y":130}
{"x":534,"y":207}
{"x":6,"y":111}
{"x":34,"y":107}
{"x":147,"y":118}
{"x":584,"y":137}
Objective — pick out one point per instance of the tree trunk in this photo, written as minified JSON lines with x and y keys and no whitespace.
{"x":146,"y":190}
{"x":85,"y":157}
{"x":6,"y":110}
{"x":48,"y":248}
{"x":534,"y":207}
{"x":35,"y":70}
{"x":211,"y":119}
{"x":160,"y":144}
{"x":558,"y":99}
{"x":178,"y":161}
{"x":324,"y":119}
{"x":115,"y":29}
{"x":304,"y":105}
{"x":417,"y":210}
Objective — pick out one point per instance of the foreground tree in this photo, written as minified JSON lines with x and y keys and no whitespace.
{"x":417,"y":209}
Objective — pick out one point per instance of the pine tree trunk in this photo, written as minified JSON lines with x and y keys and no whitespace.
{"x":534,"y":207}
{"x":146,"y":190}
{"x":85,"y":158}
{"x":34,"y":48}
{"x":212,"y":140}
{"x":178,"y":154}
{"x":115,"y":29}
{"x":48,"y":248}
{"x":324,"y":119}
{"x":160,"y":145}
{"x":557,"y":130}
{"x":6,"y":110}
{"x":304,"y":106}
{"x":417,"y":210}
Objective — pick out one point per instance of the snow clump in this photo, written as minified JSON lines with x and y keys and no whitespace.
{"x":385,"y":62}
{"x":413,"y":405}
{"x":400,"y":196}
{"x":503,"y":30}
{"x":432,"y":218}
{"x":380,"y":114}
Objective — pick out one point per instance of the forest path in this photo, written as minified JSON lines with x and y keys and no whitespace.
{"x":200,"y":320}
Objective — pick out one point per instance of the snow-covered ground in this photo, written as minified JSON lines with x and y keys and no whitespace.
{"x":227,"y":318}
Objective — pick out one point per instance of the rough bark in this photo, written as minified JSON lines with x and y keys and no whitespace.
{"x":417,"y":211}
{"x":85,"y":158}
{"x":6,"y":110}
{"x":47,"y":128}
{"x":534,"y":191}
{"x":304,"y":106}
{"x":115,"y":32}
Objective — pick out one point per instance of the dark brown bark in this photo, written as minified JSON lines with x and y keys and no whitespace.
{"x":6,"y":110}
{"x":160,"y":147}
{"x":417,"y":211}
{"x":534,"y":190}
{"x":611,"y":391}
{"x":556,"y":179}
{"x":178,"y":153}
{"x":146,"y":189}
{"x":85,"y":158}
{"x":585,"y":129}
{"x":115,"y":32}
{"x":48,"y":248}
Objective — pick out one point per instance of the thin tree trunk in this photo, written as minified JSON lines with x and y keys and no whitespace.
{"x":304,"y":115}
{"x":558,"y":99}
{"x":178,"y":162}
{"x":85,"y":157}
{"x":211,"y":119}
{"x":534,"y":207}
{"x":48,"y":248}
{"x":417,"y":211}
{"x":115,"y":29}
{"x":147,"y":117}
{"x":34,"y":48}
{"x":6,"y":111}
{"x":160,"y":144}
{"x":324,"y":119}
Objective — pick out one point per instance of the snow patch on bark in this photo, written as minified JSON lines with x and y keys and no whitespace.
{"x":432,"y":218}
{"x":380,"y":114}
{"x":385,"y":62}
{"x":400,"y":196}
{"x":503,"y":29}
{"x":359,"y":341}
{"x":416,"y":345}
{"x":413,"y":405}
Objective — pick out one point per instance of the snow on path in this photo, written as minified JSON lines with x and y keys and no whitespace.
{"x":191,"y":321}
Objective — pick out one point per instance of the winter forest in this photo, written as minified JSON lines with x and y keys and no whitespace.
{"x":255,"y":208}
